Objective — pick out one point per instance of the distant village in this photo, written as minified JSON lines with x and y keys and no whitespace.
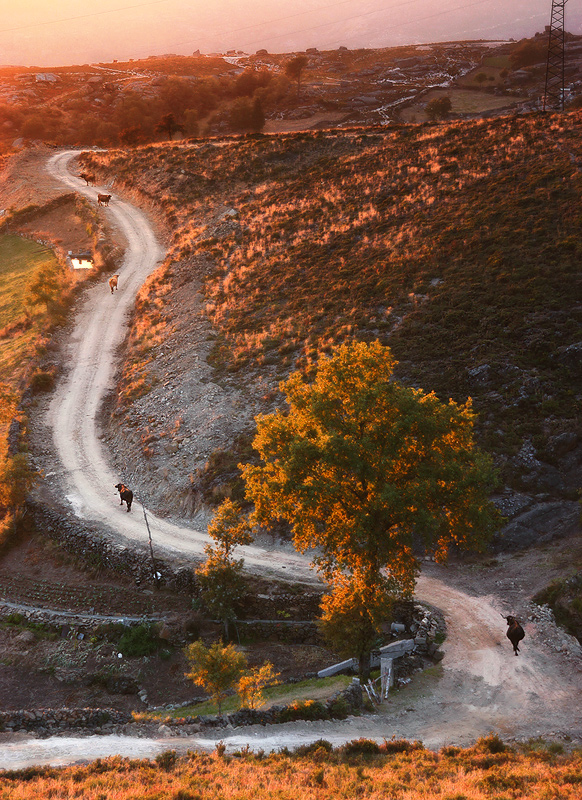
{"x":338,"y":87}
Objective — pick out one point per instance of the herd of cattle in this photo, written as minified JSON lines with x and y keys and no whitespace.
{"x":125,"y":494}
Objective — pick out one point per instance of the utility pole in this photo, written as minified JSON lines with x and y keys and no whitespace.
{"x":154,"y":567}
{"x":554,"y":89}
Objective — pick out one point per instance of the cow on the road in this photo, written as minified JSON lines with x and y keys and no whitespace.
{"x":125,"y":494}
{"x":103,"y":199}
{"x":515,"y":633}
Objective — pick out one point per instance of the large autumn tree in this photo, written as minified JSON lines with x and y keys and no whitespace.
{"x":368,"y":471}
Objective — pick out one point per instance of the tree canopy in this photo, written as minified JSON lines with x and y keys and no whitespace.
{"x":216,"y":668}
{"x":220,"y":576}
{"x":366,"y":470}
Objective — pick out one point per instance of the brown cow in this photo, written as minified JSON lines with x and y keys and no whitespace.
{"x":125,"y":494}
{"x":113,"y":282}
{"x":515,"y":633}
{"x":88,"y":177}
{"x":103,"y":199}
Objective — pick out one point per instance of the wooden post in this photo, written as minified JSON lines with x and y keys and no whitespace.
{"x":156,"y":580}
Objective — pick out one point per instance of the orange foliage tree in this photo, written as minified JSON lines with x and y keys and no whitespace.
{"x":366,"y":470}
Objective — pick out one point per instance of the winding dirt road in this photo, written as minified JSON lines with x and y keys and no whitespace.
{"x":479,"y":686}
{"x":100,"y":328}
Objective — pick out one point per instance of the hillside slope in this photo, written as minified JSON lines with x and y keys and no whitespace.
{"x":456,"y":244}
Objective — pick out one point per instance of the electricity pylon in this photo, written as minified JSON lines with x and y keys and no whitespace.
{"x":554,"y":90}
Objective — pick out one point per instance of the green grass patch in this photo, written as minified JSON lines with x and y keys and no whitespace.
{"x":20,"y":262}
{"x":284,"y":694}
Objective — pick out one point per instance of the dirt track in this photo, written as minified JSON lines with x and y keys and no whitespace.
{"x":479,"y":687}
{"x":100,"y":328}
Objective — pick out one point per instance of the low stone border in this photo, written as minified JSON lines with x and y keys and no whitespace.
{"x":90,"y":544}
{"x":89,"y":721}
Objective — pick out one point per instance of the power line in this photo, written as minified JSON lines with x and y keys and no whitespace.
{"x":377,"y":11}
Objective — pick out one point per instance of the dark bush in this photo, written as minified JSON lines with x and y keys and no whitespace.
{"x":139,"y":641}
{"x":361,"y":747}
{"x":166,"y":760}
{"x":308,"y":709}
{"x":42,"y":381}
{"x":491,"y":744}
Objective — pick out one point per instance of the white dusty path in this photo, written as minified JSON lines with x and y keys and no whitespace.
{"x":480,"y":686}
{"x":100,"y":328}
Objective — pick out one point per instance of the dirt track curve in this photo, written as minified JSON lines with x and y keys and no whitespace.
{"x":99,"y":330}
{"x":479,"y":686}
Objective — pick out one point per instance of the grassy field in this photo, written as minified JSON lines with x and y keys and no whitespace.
{"x":20,"y":333}
{"x":394,"y":770}
{"x":20,"y":261}
{"x":463,"y":101}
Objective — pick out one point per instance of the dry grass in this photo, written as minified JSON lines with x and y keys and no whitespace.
{"x":455,"y":244}
{"x":361,"y":769}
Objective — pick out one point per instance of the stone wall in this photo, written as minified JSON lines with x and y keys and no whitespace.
{"x":50,"y":722}
{"x":87,"y":542}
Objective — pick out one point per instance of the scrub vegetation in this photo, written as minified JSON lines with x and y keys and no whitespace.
{"x":456,"y":244}
{"x":362,"y":768}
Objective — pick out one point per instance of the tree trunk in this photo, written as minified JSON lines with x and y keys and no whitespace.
{"x":364,"y":666}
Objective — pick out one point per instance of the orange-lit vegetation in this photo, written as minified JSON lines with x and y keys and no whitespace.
{"x":361,"y":768}
{"x":458,"y":245}
{"x":37,"y":292}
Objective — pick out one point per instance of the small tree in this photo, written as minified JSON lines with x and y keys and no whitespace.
{"x":438,"y":108}
{"x":251,"y":685}
{"x":247,"y":115}
{"x":220,"y":577}
{"x":216,"y":668}
{"x":169,"y":125}
{"x":131,"y":135}
{"x":294,"y":69}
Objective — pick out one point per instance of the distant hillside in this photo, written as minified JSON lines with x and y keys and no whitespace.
{"x":457,"y":244}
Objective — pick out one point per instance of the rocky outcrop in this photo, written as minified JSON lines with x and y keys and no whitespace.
{"x":539,"y":524}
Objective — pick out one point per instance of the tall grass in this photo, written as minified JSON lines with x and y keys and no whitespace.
{"x":395,"y":769}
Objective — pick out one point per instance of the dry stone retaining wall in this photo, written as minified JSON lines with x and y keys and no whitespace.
{"x":86,"y":542}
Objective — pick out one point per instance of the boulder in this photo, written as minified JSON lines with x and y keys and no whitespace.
{"x":543,"y":522}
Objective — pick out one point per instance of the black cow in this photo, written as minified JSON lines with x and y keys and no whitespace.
{"x":515,"y":633}
{"x":125,"y":494}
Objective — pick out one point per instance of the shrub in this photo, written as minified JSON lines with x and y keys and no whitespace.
{"x":166,"y":760}
{"x":339,"y":708}
{"x":142,"y":640}
{"x":42,"y":381}
{"x":314,"y":747}
{"x":491,"y":744}
{"x":361,"y":747}
{"x":401,"y":746}
{"x":306,"y":709}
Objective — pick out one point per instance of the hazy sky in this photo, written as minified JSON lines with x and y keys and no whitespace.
{"x":60,"y":32}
